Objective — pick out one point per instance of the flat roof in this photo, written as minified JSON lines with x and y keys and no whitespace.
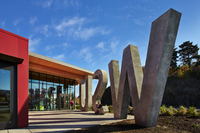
{"x":12,"y":34}
{"x":43,"y":64}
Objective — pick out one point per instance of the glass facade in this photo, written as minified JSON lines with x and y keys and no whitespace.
{"x":4,"y":95}
{"x":44,"y":92}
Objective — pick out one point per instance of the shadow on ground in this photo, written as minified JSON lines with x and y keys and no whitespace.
{"x":109,"y":128}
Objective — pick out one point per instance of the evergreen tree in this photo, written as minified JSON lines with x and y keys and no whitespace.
{"x":197,"y":57}
{"x":174,"y":59}
{"x":187,"y":51}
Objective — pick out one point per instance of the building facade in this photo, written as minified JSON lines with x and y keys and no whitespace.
{"x":32,"y":82}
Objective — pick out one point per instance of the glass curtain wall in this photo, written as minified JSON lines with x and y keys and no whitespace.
{"x":44,"y":91}
{"x":5,"y":95}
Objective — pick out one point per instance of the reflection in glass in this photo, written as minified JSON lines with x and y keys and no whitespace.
{"x":50,"y":98}
{"x":4,"y":95}
{"x":44,"y":91}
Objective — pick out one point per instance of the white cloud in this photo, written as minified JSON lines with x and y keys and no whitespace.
{"x":64,"y":4}
{"x":43,"y":3}
{"x":88,"y":57}
{"x":59,"y":57}
{"x":71,"y":22}
{"x":86,"y":54}
{"x":138,"y":22}
{"x":33,"y":20}
{"x":83,"y":54}
{"x":75,"y":3}
{"x":105,"y":32}
{"x":48,"y":47}
{"x":87,"y":33}
{"x":84,"y":51}
{"x":33,"y":43}
{"x":101,"y":45}
{"x":114,"y":44}
{"x":43,"y":30}
{"x":65,"y":44}
{"x":3,"y":23}
{"x":17,"y":21}
{"x":74,"y":27}
{"x":47,"y":3}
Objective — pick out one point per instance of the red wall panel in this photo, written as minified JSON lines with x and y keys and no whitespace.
{"x":23,"y":73}
{"x":17,"y":46}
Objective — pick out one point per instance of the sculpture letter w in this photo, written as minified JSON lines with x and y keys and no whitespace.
{"x":146,"y":92}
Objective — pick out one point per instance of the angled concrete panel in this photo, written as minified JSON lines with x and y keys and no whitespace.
{"x":161,"y":44}
{"x":101,"y":86}
{"x":86,"y":104}
{"x":114,"y":84}
{"x":129,"y":83}
{"x":82,"y":93}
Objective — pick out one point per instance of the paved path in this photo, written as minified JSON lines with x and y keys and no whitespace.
{"x":62,"y":121}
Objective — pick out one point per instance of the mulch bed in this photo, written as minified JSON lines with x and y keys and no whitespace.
{"x":165,"y":124}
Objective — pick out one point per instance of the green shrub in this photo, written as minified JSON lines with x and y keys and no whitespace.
{"x":130,"y":109}
{"x":182,"y":110}
{"x":111,"y":109}
{"x":176,"y":69}
{"x":188,"y":120}
{"x":168,"y":122}
{"x":169,"y":112}
{"x":182,"y":74}
{"x":195,"y":114}
{"x":191,"y":110}
{"x":163,"y":109}
{"x":173,"y":109}
{"x":194,"y":125}
{"x":77,"y":106}
{"x":91,"y":109}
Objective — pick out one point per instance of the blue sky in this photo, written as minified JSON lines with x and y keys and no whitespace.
{"x":90,"y":33}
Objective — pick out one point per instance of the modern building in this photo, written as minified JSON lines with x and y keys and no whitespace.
{"x":29,"y":81}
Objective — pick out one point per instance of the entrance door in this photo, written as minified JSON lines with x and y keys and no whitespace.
{"x":62,"y":101}
{"x":8,"y":95}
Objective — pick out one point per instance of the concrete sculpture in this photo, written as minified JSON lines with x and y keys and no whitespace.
{"x":103,"y":80}
{"x":85,"y":103}
{"x":146,"y":92}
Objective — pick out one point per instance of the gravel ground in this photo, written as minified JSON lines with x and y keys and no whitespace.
{"x":165,"y":124}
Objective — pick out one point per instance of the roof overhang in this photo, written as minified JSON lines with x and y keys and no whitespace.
{"x":11,"y":58}
{"x":46,"y":65}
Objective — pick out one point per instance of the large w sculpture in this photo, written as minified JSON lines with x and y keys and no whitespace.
{"x":146,"y":92}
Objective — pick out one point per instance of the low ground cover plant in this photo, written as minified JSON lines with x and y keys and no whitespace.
{"x":191,"y":111}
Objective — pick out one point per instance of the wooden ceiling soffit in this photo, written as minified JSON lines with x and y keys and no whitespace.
{"x":56,"y":65}
{"x":56,"y":72}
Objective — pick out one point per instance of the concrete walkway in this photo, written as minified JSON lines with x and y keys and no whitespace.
{"x":62,"y":121}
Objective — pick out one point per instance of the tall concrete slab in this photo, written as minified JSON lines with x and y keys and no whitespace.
{"x":126,"y":84}
{"x":100,"y":89}
{"x":146,"y":95}
{"x":85,"y":102}
{"x":82,"y":93}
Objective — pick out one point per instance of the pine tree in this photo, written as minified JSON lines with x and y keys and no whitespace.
{"x":187,"y":51}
